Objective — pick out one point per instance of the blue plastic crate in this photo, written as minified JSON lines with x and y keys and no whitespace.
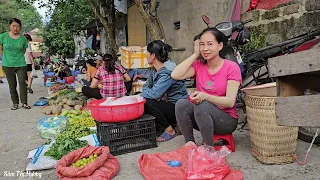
{"x":49,"y":84}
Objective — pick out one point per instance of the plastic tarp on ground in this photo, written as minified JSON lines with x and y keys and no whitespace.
{"x":155,"y":167}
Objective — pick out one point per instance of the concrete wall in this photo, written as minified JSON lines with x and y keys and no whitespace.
{"x":289,"y":20}
{"x":189,"y":13}
{"x":279,"y":24}
{"x":121,"y":35}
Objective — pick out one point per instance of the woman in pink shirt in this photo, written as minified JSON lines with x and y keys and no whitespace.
{"x":211,"y":109}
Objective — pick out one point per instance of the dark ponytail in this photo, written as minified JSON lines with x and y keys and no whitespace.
{"x":109,"y":63}
{"x":160,"y":49}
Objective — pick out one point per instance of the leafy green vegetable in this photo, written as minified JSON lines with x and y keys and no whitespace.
{"x":63,"y":147}
{"x":66,"y":92}
{"x":72,"y":95}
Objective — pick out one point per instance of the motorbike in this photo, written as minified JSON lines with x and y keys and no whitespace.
{"x":254,"y":64}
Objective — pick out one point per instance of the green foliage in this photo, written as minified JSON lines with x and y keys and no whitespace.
{"x":89,"y":52}
{"x":257,"y":41}
{"x":26,"y":12}
{"x":67,"y":19}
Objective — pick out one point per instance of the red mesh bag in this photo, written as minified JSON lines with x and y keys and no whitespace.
{"x":104,"y":167}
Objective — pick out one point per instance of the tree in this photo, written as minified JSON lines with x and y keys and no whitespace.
{"x":24,"y":11}
{"x":68,"y":17}
{"x":148,"y":10}
{"x":106,"y":16}
{"x":108,"y":23}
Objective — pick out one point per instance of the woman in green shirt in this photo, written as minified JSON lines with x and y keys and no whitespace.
{"x":12,"y":48}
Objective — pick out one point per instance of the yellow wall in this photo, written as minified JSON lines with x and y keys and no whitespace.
{"x":137,"y":30}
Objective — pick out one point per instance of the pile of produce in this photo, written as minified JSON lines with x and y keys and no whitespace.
{"x":61,"y":93}
{"x":74,"y":131}
{"x":81,"y":163}
{"x":57,"y":87}
{"x":82,"y":118}
{"x":62,"y":104}
{"x":63,"y":147}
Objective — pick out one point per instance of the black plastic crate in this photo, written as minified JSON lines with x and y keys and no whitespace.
{"x":128,"y":137}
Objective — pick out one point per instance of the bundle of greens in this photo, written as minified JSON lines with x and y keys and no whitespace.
{"x":63,"y":147}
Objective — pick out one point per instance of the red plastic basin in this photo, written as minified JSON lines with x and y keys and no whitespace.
{"x":116,"y":113}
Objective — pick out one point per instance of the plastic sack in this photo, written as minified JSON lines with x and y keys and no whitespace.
{"x":155,"y":167}
{"x":206,"y":163}
{"x":105,"y":166}
{"x":38,"y":161}
{"x":78,"y":84}
{"x":33,"y":74}
{"x":49,"y":126}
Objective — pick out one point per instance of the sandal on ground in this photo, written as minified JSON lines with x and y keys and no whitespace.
{"x":167,"y":136}
{"x":15,"y":107}
{"x":26,"y":106}
{"x":30,"y":90}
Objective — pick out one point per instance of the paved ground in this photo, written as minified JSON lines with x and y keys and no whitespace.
{"x":18,"y":136}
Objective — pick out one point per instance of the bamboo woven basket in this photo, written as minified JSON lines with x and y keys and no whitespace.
{"x":270,"y":143}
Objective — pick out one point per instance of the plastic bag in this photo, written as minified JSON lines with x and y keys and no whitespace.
{"x":105,"y":166}
{"x":112,"y":101}
{"x":49,"y":126}
{"x":33,"y":74}
{"x":78,"y":84}
{"x":155,"y":167}
{"x":206,"y":163}
{"x":39,"y":161}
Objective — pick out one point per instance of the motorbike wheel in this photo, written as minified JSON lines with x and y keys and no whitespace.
{"x":306,"y":134}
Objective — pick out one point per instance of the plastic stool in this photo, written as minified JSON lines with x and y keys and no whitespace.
{"x":227,"y":139}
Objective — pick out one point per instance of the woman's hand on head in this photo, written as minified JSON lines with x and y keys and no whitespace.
{"x":196,"y":46}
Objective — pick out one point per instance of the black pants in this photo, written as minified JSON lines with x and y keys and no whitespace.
{"x":86,"y":83}
{"x":11,"y":73}
{"x":61,"y":75}
{"x":206,"y":117}
{"x":128,"y":87}
{"x":164,"y":112}
{"x":91,"y":92}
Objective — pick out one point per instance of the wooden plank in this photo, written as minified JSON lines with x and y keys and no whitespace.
{"x":298,"y":111}
{"x":137,"y":29}
{"x":296,"y":63}
{"x":295,"y":85}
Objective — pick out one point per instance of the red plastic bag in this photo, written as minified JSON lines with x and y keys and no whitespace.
{"x":104,"y":167}
{"x":155,"y":167}
{"x":206,"y":163}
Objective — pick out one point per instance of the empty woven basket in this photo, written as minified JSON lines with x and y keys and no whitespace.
{"x":270,"y":143}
